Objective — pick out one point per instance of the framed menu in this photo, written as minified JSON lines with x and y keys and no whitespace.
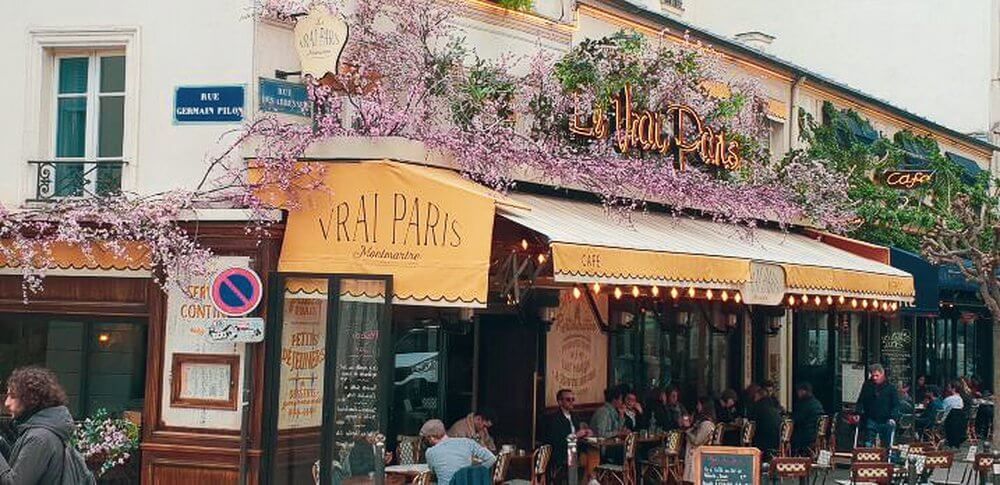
{"x":204,"y":381}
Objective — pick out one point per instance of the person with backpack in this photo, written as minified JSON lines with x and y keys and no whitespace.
{"x":42,"y":453}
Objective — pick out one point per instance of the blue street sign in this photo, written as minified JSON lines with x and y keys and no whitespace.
{"x":209,"y":104}
{"x":284,"y":97}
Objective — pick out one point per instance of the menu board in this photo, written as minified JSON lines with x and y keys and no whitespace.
{"x":852,"y":377}
{"x":726,"y":465}
{"x":303,"y":352}
{"x":896,"y":354}
{"x":356,"y":412}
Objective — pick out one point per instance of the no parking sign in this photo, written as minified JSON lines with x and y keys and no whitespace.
{"x":236,"y":291}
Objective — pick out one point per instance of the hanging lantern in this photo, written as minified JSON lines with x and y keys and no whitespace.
{"x":596,"y":287}
{"x":673,"y":293}
{"x":737,"y":298}
{"x":635,"y":292}
{"x":725,"y":295}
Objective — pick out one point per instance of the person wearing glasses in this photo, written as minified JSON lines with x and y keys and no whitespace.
{"x":563,"y":424}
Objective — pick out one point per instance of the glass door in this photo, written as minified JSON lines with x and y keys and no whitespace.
{"x":326,"y":378}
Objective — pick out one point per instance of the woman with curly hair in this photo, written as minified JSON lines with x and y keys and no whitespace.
{"x":42,"y":426}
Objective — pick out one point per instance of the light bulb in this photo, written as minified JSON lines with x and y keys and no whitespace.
{"x":840,"y":299}
{"x":655,"y":290}
{"x":854,"y":302}
{"x":673,"y":293}
{"x":618,"y":293}
{"x":524,"y":244}
{"x":541,"y":258}
{"x":816,"y":300}
{"x":597,"y":287}
{"x":725,"y":295}
{"x":635,"y":292}
{"x":576,"y":293}
{"x":791,"y":300}
{"x":829,"y":300}
{"x":691,"y":292}
{"x":864,"y":303}
{"x":708,"y":294}
{"x":737,"y":298}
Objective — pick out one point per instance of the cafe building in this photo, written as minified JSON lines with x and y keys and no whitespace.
{"x":400,"y":291}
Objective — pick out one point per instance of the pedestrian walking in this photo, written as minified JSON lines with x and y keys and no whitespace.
{"x":41,"y":453}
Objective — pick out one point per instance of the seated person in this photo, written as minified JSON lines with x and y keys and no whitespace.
{"x":805,"y":420}
{"x":608,"y":421}
{"x":925,"y":420}
{"x":561,"y":425}
{"x":476,"y":426}
{"x":953,"y":397}
{"x":447,"y":455}
{"x":768,"y":418}
{"x":725,"y":407}
{"x":667,"y":409}
{"x":635,"y":419}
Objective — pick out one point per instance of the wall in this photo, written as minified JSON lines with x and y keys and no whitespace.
{"x":176,"y":43}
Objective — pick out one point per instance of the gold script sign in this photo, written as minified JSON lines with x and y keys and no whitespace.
{"x":679,"y":130}
{"x":319,"y":39}
{"x":907,"y":179}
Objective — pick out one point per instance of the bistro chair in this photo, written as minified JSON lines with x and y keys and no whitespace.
{"x":718,"y":433}
{"x":822,"y":425}
{"x":783,"y":468}
{"x":935,"y":432}
{"x":623,"y":474}
{"x":982,"y":467}
{"x":500,"y":467}
{"x":747,"y":433}
{"x":409,"y":450}
{"x":539,"y":467}
{"x":870,"y":455}
{"x":970,"y":430}
{"x":424,"y":478}
{"x":785,"y":438}
{"x":937,"y":460}
{"x":665,"y":465}
{"x":865,"y":473}
{"x":906,"y":428}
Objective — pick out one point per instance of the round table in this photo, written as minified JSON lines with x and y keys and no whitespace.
{"x":400,"y":474}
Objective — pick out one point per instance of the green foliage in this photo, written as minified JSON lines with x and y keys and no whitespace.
{"x":485,"y":84}
{"x":604,"y":65}
{"x":521,"y":5}
{"x":886,"y":215}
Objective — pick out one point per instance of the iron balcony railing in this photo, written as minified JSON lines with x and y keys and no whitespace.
{"x":59,"y":179}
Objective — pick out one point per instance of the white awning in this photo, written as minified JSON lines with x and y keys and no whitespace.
{"x":590,"y":244}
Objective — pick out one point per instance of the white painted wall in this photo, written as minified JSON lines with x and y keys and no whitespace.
{"x":930,"y":57}
{"x":183,"y":42}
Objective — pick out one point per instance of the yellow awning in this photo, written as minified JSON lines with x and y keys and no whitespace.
{"x":125,"y":256}
{"x":590,"y":245}
{"x":430,"y":229}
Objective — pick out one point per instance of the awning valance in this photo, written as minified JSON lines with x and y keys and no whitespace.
{"x":590,"y":245}
{"x":125,"y":258}
{"x":430,"y":229}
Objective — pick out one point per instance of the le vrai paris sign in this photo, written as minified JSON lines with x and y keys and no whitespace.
{"x":320,"y":37}
{"x":678,"y":130}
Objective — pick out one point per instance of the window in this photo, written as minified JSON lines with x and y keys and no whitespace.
{"x":89,"y":123}
{"x":100,"y":364}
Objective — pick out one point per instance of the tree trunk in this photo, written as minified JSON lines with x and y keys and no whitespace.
{"x":996,"y":382}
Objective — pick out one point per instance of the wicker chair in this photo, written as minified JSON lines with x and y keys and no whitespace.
{"x":822,"y":425}
{"x":665,"y":465}
{"x":409,"y":450}
{"x":970,"y":431}
{"x":937,"y":460}
{"x":785,"y":438}
{"x":870,"y":455}
{"x":982,"y":467}
{"x":424,"y":478}
{"x":718,"y":433}
{"x":623,"y":474}
{"x":500,"y":467}
{"x":878,"y":473}
{"x":747,"y":433}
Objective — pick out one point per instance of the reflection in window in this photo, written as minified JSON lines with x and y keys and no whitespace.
{"x":416,"y":379}
{"x":100,"y":364}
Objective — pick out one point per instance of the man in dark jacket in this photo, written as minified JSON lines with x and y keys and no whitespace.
{"x":768,"y":419}
{"x":561,"y":425}
{"x":805,"y":420}
{"x":43,"y":427}
{"x":878,"y":404}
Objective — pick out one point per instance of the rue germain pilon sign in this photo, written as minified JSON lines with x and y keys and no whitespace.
{"x":679,"y":131}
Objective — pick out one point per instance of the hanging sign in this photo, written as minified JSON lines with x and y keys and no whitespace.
{"x":284,"y":97}
{"x":236,"y":291}
{"x":320,"y":37}
{"x":907,"y":179}
{"x":679,"y":130}
{"x":766,"y":285}
{"x":209,"y":104}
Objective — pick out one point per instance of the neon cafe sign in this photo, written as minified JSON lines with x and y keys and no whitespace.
{"x":678,"y":131}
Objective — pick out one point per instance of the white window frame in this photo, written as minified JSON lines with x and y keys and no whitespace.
{"x":46,"y":46}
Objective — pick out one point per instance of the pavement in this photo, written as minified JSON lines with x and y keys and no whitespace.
{"x":958,"y":471}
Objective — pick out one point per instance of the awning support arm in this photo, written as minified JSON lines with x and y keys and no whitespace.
{"x":597,"y":314}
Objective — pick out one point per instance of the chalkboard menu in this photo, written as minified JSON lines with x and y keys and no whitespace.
{"x":897,"y":355}
{"x":726,"y":465}
{"x":358,"y":389}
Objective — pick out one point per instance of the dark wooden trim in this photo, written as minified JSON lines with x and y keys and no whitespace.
{"x":231,"y":403}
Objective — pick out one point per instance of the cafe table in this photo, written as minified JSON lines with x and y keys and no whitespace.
{"x":590,"y":457}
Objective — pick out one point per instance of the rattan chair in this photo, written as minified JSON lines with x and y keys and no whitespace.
{"x":718,"y":433}
{"x":424,"y":478}
{"x":665,"y":465}
{"x":982,"y":467}
{"x":970,"y":431}
{"x":500,"y":467}
{"x":409,"y":450}
{"x":822,"y":425}
{"x":539,"y":467}
{"x":747,"y":433}
{"x":870,"y":455}
{"x":877,"y":473}
{"x":623,"y":474}
{"x":785,"y":438}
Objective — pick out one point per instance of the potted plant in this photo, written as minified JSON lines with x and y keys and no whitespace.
{"x":107,"y":443}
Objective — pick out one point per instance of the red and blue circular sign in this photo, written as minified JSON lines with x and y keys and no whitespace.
{"x":236,"y":291}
